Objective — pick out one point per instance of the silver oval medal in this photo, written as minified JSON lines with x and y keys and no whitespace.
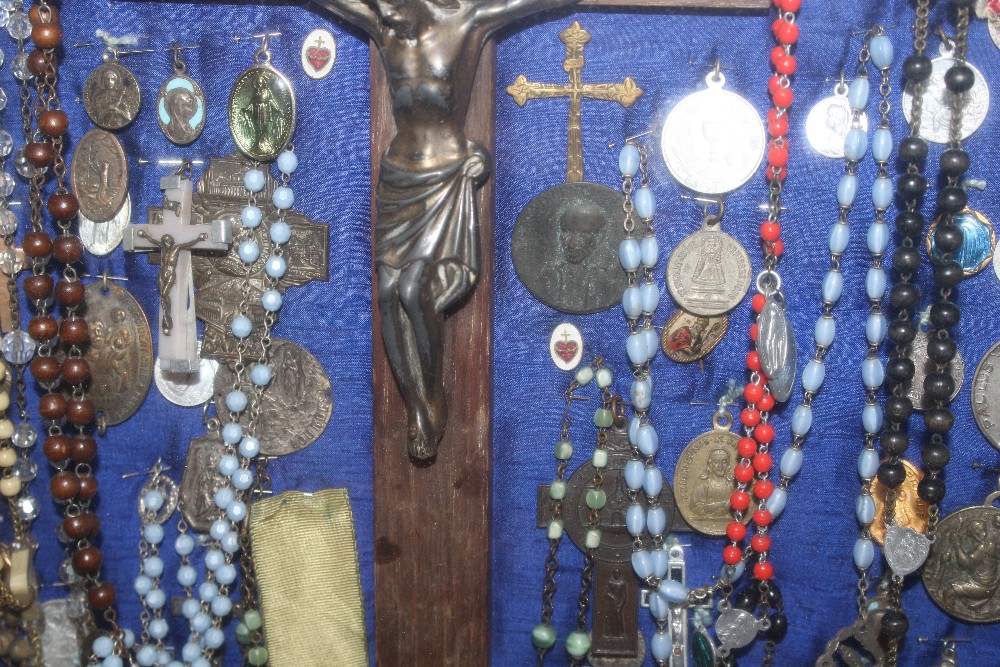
{"x":319,"y":53}
{"x":101,"y":238}
{"x":99,"y":175}
{"x":935,"y":120}
{"x":829,"y":121}
{"x":566,"y":346}
{"x":111,"y":95}
{"x":777,"y":347}
{"x":713,"y":141}
{"x":180,"y":109}
{"x":261,"y":112}
{"x":708,"y":273}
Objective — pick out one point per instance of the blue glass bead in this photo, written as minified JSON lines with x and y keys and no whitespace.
{"x":207,"y":591}
{"x":791,"y":460}
{"x":825,"y":331}
{"x":214,"y":559}
{"x":661,"y":562}
{"x":249,"y":252}
{"x":112,"y":661}
{"x":840,"y":235}
{"x":283,"y":197}
{"x":882,"y":144}
{"x":864,"y":554}
{"x":201,"y":662}
{"x":629,"y":254}
{"x":647,"y":440}
{"x":636,"y":348}
{"x":674,"y":591}
{"x":175,"y":663}
{"x":650,"y":249}
{"x":857,"y":93}
{"x":645,"y":202}
{"x":226,"y":574}
{"x":881,"y":49}
{"x":236,"y":401}
{"x":186,"y":576}
{"x":260,"y":374}
{"x":633,"y":430}
{"x":230,"y":543}
{"x":146,"y":656}
{"x":855,"y":144}
{"x":271,"y":300}
{"x":635,"y":519}
{"x":241,"y":326}
{"x":631,"y":302}
{"x":254,"y":180}
{"x":158,"y":628}
{"x":142,"y":585}
{"x":876,"y":328}
{"x":163,"y":657}
{"x":213,"y":638}
{"x":184,"y":545}
{"x":153,"y":500}
{"x":812,"y":376}
{"x":847,"y":189}
{"x":275,"y":266}
{"x":103,"y":646}
{"x":288,"y":162}
{"x":280,"y":232}
{"x":218,"y":529}
{"x":224,"y":496}
{"x":221,"y":606}
{"x":659,"y":607}
{"x":802,"y":420}
{"x":738,"y":570}
{"x":635,"y":471}
{"x":190,"y":608}
{"x":867,"y":463}
{"x":656,"y":520}
{"x":878,"y":238}
{"x":833,"y":286}
{"x":129,"y":638}
{"x":649,"y":294}
{"x":641,"y":393}
{"x":242,"y":479}
{"x":662,"y":647}
{"x":642,"y":563}
{"x":871,"y":418}
{"x":201,"y":622}
{"x":232,"y":433}
{"x":872,"y":373}
{"x":237,"y":511}
{"x":652,"y":342}
{"x":153,"y":533}
{"x":864,"y":509}
{"x":152,"y":566}
{"x":156,"y":598}
{"x":191,"y":652}
{"x":251,"y":217}
{"x":249,"y":447}
{"x":652,"y":482}
{"x":628,"y":160}
{"x":875,"y":283}
{"x":882,"y":193}
{"x":776,"y":503}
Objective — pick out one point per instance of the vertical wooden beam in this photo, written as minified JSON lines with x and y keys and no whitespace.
{"x":432,"y":523}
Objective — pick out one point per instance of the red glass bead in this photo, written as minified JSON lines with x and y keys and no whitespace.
{"x":750,"y":417}
{"x":766,"y":403}
{"x":792,"y":6}
{"x":783,"y":97}
{"x":753,"y":360}
{"x":762,"y":462}
{"x":779,"y":248}
{"x":740,"y":500}
{"x":763,"y":571}
{"x":774,"y":84}
{"x":753,"y":392}
{"x":736,"y":531}
{"x":764,"y":433}
{"x":770,"y":231}
{"x":786,"y":65}
{"x":760,"y":543}
{"x":743,"y":473}
{"x":753,"y":332}
{"x":101,"y":597}
{"x":762,"y":518}
{"x":732,"y":555}
{"x":777,"y":156}
{"x":777,"y":52}
{"x":758,"y":302}
{"x":774,"y":172}
{"x":777,"y":124}
{"x":746,"y":448}
{"x":786,"y":32}
{"x":763,"y":489}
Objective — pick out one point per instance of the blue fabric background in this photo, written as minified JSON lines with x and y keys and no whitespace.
{"x":669,"y":55}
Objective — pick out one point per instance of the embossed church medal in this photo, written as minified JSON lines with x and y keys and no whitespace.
{"x":935,"y":121}
{"x":180,"y":106}
{"x":910,"y":509}
{"x":566,"y":346}
{"x":262,"y":110}
{"x":962,"y":573}
{"x":187,"y":389}
{"x":565,"y":247}
{"x":298,"y":402}
{"x":708,"y":273}
{"x":986,"y":395}
{"x":978,"y":241}
{"x":688,"y":337}
{"x":120,"y":352}
{"x":777,"y":347}
{"x":829,"y":121}
{"x":735,"y":628}
{"x":99,"y":175}
{"x":713,"y":140}
{"x":101,"y":238}
{"x":111,"y":94}
{"x":703,"y":479}
{"x":922,"y":365}
{"x":201,"y":480}
{"x":905,"y":549}
{"x":319,"y":53}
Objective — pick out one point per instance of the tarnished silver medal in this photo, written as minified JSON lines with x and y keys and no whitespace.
{"x":905,"y":549}
{"x":101,"y":238}
{"x":829,"y":121}
{"x":935,"y":124}
{"x":777,"y":347}
{"x":735,"y":628}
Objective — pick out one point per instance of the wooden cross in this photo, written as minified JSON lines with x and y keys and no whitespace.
{"x":175,"y":231}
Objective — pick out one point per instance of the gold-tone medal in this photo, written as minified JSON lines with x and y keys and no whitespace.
{"x":262,"y":109}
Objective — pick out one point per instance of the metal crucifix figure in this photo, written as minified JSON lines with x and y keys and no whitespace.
{"x":426,"y":231}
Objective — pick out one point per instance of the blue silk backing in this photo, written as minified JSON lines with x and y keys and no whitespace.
{"x":669,"y":55}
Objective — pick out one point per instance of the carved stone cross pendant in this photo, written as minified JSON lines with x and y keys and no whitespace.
{"x":175,"y":232}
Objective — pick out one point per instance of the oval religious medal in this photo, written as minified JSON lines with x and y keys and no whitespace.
{"x":688,"y":337}
{"x":935,"y":119}
{"x":111,"y":95}
{"x":101,"y":238}
{"x":829,"y":121}
{"x":566,"y":346}
{"x":986,"y":395}
{"x":120,"y":353}
{"x":978,"y":241}
{"x":708,"y":273}
{"x":180,"y":109}
{"x":565,"y":247}
{"x":319,"y":52}
{"x":962,"y":572}
{"x":922,"y":365}
{"x":713,"y":141}
{"x":99,"y":175}
{"x":911,"y":511}
{"x":262,"y":112}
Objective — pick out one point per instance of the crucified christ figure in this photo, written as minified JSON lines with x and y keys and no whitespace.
{"x":169,"y":252}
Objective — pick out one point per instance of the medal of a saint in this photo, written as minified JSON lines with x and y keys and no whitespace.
{"x":935,"y":123}
{"x":99,"y":176}
{"x":978,"y":241}
{"x":111,"y":94}
{"x":777,"y":347}
{"x":910,"y":510}
{"x":201,"y":480}
{"x":688,"y":337}
{"x":829,"y":122}
{"x":262,"y":109}
{"x":180,"y":105}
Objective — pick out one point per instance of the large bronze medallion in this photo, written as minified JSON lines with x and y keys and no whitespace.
{"x":99,"y":175}
{"x":910,"y":509}
{"x":120,"y":353}
{"x":111,"y":95}
{"x":703,"y":480}
{"x":262,"y":112}
{"x":565,"y":247}
{"x":688,"y":337}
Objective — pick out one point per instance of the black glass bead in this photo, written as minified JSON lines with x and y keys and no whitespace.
{"x":894,"y":443}
{"x":945,"y":314}
{"x":952,"y":199}
{"x":910,"y":223}
{"x":904,"y":295}
{"x":935,"y":455}
{"x":902,"y":332}
{"x":898,"y":408}
{"x":917,"y":68}
{"x":899,"y":369}
{"x":774,"y":599}
{"x":747,"y":599}
{"x":959,"y":78}
{"x":948,"y":274}
{"x":939,"y":386}
{"x":912,"y":149}
{"x":891,"y":473}
{"x":931,"y":489}
{"x":954,"y":162}
{"x":906,"y":260}
{"x":894,"y":624}
{"x":778,"y":629}
{"x":941,"y":350}
{"x":911,"y":186}
{"x":939,"y":420}
{"x":948,"y":239}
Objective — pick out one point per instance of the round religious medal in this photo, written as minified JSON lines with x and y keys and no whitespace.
{"x":120,"y":353}
{"x":910,"y":509}
{"x":319,"y":52}
{"x":978,"y":241}
{"x":180,"y":109}
{"x":935,"y":123}
{"x":262,"y":112}
{"x":708,"y":273}
{"x":986,"y":395}
{"x":962,"y":573}
{"x":566,"y":346}
{"x":101,"y":238}
{"x":713,"y":141}
{"x":565,"y":247}
{"x":703,"y":479}
{"x":688,"y":337}
{"x":922,"y":365}
{"x":829,"y":121}
{"x":111,"y":95}
{"x":99,"y":175}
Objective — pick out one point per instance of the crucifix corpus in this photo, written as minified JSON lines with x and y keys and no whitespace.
{"x":174,"y":232}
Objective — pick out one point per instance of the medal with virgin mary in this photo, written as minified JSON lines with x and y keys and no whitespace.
{"x":111,"y":94}
{"x":262,"y":109}
{"x":180,"y":105}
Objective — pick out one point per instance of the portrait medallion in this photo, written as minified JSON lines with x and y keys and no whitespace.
{"x":111,"y":95}
{"x":829,"y":121}
{"x":922,"y":365}
{"x":99,"y":175}
{"x":703,"y":480}
{"x":688,"y":337}
{"x":978,"y":241}
{"x":200,"y":481}
{"x":986,"y":395}
{"x":935,"y":120}
{"x":180,"y":109}
{"x":262,"y":112}
{"x":101,"y":238}
{"x":708,"y":272}
{"x":565,"y":247}
{"x":910,"y":509}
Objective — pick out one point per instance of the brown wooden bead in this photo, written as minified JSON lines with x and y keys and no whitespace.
{"x":53,"y":123}
{"x":70,"y":293}
{"x":20,"y":650}
{"x":43,"y":327}
{"x":87,"y":560}
{"x":47,"y":35}
{"x":65,"y":486}
{"x":76,"y":371}
{"x":38,"y":61}
{"x":38,"y":154}
{"x":78,"y":527}
{"x":101,"y":597}
{"x":52,"y":406}
{"x":83,"y":448}
{"x":63,"y":206}
{"x":67,"y":249}
{"x":45,"y":369}
{"x":80,"y":413}
{"x":74,"y":331}
{"x":88,"y":487}
{"x":37,"y":244}
{"x":56,"y":448}
{"x":38,"y":287}
{"x":39,"y":17}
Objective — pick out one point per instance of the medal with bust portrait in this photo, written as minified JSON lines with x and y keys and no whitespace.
{"x":111,"y":94}
{"x":180,"y":106}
